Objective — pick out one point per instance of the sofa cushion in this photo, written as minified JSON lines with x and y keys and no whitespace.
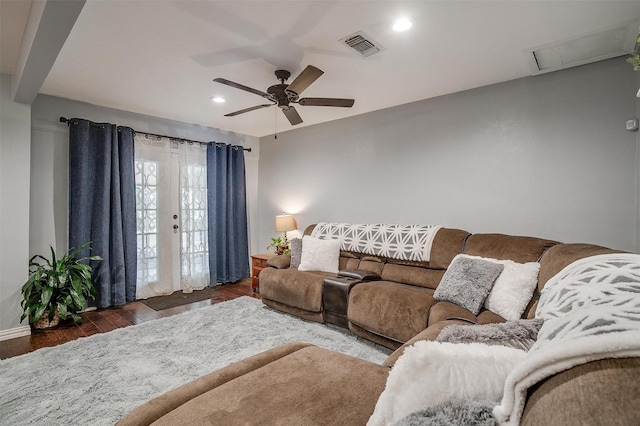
{"x":370,"y":265}
{"x":348,"y":263}
{"x":561,"y":255}
{"x":500,"y":246}
{"x":319,"y":255}
{"x":467,"y":282}
{"x":294,"y":288}
{"x":306,"y":386}
{"x":394,"y":311}
{"x":422,"y":277}
{"x":430,"y":373}
{"x":310,"y":386}
{"x":447,"y":244}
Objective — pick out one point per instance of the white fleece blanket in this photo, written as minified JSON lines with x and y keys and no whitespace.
{"x":430,"y":373}
{"x":404,"y":242}
{"x":591,"y":311}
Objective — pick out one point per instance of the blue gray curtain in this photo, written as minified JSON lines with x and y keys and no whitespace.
{"x":102,"y":205}
{"x":227,"y":214}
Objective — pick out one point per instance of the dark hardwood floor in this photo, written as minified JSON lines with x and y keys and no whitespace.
{"x":103,"y":320}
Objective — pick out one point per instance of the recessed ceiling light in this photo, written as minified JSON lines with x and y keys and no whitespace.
{"x":401,"y":24}
{"x":218,"y":99}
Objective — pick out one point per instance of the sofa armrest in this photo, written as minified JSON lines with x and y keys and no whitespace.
{"x":359,"y":274}
{"x":430,"y":333}
{"x":153,"y":410}
{"x":598,"y":392}
{"x":442,"y":311}
{"x":281,"y":261}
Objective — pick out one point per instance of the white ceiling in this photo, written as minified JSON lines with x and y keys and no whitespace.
{"x":160,"y":57}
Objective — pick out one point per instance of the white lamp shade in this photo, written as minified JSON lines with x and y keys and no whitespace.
{"x":285,"y":223}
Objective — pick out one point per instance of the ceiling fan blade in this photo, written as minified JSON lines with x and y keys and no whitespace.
{"x":241,"y":87}
{"x":304,"y":80}
{"x":253,"y":108}
{"x":330,"y":102}
{"x":292,"y":115}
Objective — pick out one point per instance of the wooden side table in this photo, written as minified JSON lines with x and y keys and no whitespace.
{"x":258,"y":263}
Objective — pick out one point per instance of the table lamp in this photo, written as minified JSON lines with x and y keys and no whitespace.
{"x":285,"y":223}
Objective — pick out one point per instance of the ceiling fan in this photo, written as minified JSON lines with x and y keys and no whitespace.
{"x":285,"y":94}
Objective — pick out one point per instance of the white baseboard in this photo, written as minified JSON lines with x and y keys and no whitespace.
{"x":12,"y":333}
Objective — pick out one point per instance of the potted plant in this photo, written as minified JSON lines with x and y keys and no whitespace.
{"x":634,"y":56}
{"x":280,"y":245}
{"x":57,"y":288}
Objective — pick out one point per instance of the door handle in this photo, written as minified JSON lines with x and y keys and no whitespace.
{"x":175,"y":226}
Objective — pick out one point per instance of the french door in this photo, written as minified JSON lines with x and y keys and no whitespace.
{"x":171,"y":216}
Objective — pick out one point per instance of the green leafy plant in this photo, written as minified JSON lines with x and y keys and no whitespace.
{"x":634,"y":56}
{"x":280,"y":245}
{"x":634,"y":59}
{"x":58,"y":284}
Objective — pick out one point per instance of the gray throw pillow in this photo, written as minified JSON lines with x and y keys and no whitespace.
{"x":518,"y":334}
{"x":295,"y":246}
{"x":461,"y":412}
{"x":467,"y":282}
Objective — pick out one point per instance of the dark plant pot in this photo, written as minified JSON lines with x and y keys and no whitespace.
{"x":44,"y":323}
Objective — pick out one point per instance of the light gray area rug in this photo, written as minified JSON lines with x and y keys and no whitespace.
{"x":98,"y":379}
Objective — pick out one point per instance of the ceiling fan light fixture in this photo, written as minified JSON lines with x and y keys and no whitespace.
{"x":218,"y":99}
{"x":401,"y":24}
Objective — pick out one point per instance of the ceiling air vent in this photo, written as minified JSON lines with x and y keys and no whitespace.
{"x":362,"y":43}
{"x":582,"y":50}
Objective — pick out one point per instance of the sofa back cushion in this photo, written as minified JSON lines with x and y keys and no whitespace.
{"x":507,"y":247}
{"x":371,"y":265}
{"x":561,"y":255}
{"x":555,"y":259}
{"x":413,"y":275}
{"x":309,"y":229}
{"x":446,"y":245}
{"x":348,"y":263}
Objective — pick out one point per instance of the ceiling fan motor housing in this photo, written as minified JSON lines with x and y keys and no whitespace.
{"x":279,"y":95}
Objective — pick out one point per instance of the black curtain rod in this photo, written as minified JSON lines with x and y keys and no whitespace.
{"x":67,"y":121}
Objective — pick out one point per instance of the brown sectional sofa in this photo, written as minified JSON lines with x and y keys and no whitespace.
{"x":305,"y":385}
{"x":394,"y":309}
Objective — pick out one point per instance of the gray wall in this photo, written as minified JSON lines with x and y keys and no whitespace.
{"x":50,"y":163}
{"x":15,"y":120}
{"x":545,"y":156}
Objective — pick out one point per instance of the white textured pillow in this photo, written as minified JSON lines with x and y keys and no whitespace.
{"x":319,"y":255}
{"x":513,"y":289}
{"x":431,"y":373}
